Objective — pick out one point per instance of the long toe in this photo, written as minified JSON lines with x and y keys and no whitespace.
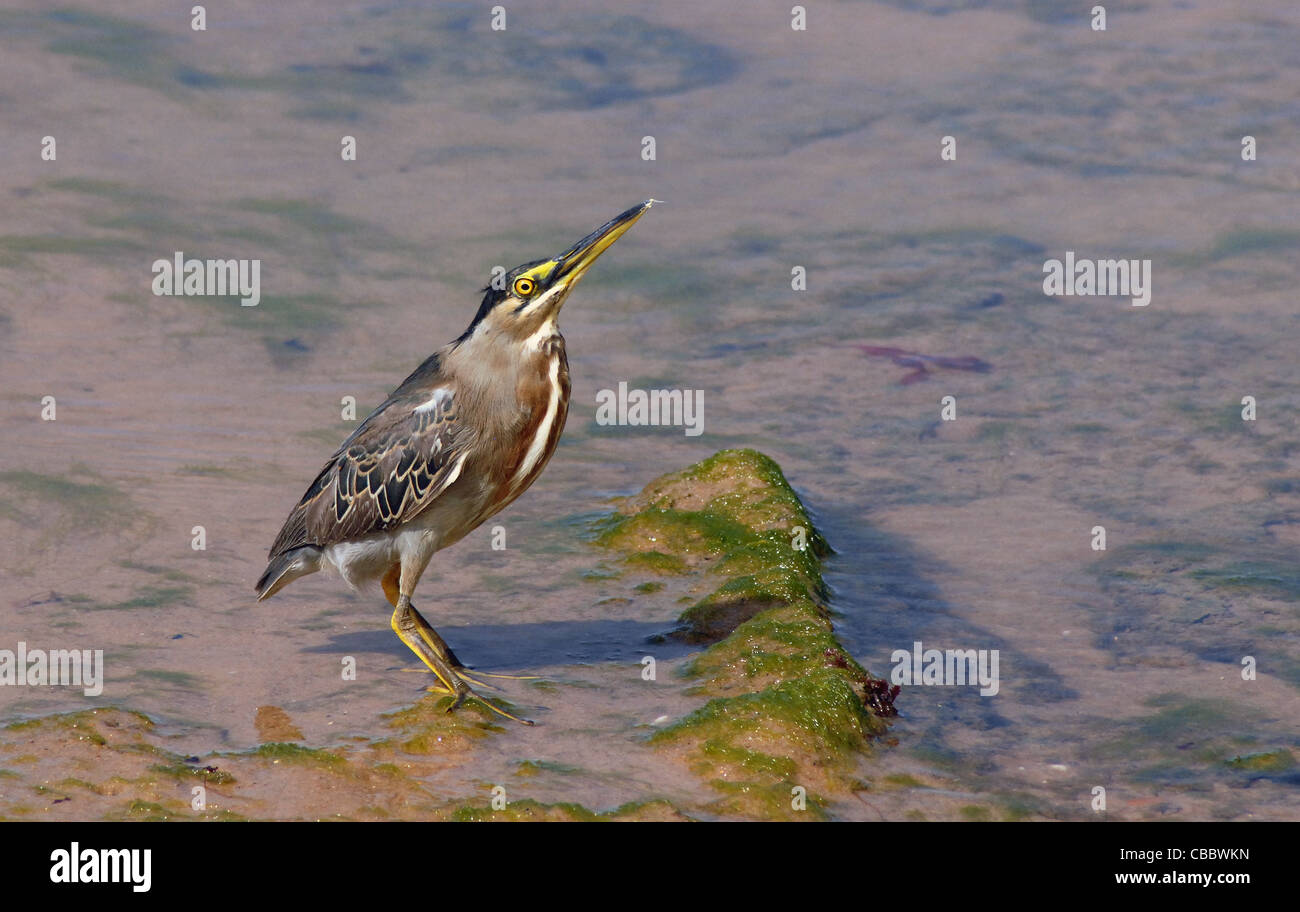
{"x":495,"y":674}
{"x":470,"y":694}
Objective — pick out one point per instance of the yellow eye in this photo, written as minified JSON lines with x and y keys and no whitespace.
{"x":524,"y":286}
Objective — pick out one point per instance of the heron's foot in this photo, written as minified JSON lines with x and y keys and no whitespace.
{"x":462,"y":691}
{"x":459,"y":685}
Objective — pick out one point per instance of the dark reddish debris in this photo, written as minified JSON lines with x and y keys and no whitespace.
{"x":877,"y":693}
{"x":922,"y":366}
{"x":880,"y":697}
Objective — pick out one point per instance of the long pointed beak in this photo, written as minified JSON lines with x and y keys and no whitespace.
{"x":575,"y":261}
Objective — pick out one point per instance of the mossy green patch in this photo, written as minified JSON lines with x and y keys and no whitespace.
{"x":171,"y":574}
{"x":111,"y":768}
{"x":144,"y":810}
{"x":112,"y":191}
{"x":281,"y":751}
{"x":658,"y":562}
{"x":13,"y":247}
{"x":1021,"y":806}
{"x":526,"y":810}
{"x":322,"y":227}
{"x":791,"y":713}
{"x":1167,"y":590}
{"x":150,"y":597}
{"x":80,"y":724}
{"x":1247,"y":241}
{"x":821,"y":711}
{"x":1277,"y":579}
{"x":182,"y":771}
{"x":427,"y":727}
{"x":1184,"y":740}
{"x":903,"y":780}
{"x":995,"y":431}
{"x":1276,"y":761}
{"x":117,"y":47}
{"x":1221,"y":419}
{"x":89,"y":502}
{"x":208,"y":471}
{"x":281,"y":315}
{"x":1178,"y":716}
{"x":164,"y":677}
{"x":566,"y":812}
{"x":768,"y":801}
{"x":534,"y":767}
{"x":221,"y":815}
{"x":751,"y":761}
{"x":304,"y":214}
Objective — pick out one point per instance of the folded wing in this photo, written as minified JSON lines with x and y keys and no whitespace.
{"x":393,"y":467}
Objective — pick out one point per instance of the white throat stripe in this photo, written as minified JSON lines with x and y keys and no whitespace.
{"x":544,"y":429}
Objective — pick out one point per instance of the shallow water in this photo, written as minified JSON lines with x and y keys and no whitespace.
{"x":1119,"y":669}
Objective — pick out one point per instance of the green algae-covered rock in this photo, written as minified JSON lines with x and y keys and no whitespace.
{"x":790,"y":714}
{"x":733,"y":514}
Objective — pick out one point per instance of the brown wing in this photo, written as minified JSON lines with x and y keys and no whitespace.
{"x":392,"y":467}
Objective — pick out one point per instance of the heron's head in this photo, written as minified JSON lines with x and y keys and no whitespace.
{"x":524,"y":304}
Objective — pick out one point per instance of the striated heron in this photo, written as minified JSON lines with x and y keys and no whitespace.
{"x":458,"y":441}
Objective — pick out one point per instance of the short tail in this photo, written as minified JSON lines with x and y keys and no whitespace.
{"x":285,"y":568}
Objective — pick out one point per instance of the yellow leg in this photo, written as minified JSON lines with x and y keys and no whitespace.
{"x":392,"y":591}
{"x":420,"y":637}
{"x":455,"y":681}
{"x":439,"y":645}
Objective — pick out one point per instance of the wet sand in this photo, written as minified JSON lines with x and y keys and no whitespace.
{"x":1119,"y":668}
